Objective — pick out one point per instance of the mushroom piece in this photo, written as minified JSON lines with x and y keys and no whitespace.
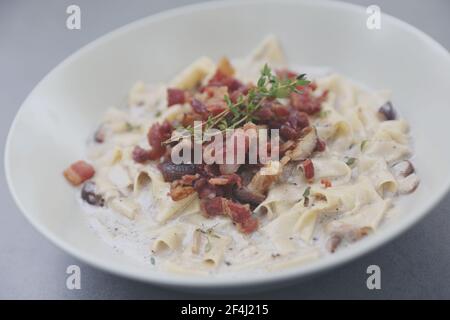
{"x":305,"y":145}
{"x":341,"y":232}
{"x":387,"y":111}
{"x":243,"y":194}
{"x":89,"y":194}
{"x":265,"y":177}
{"x":403,"y":168}
{"x":408,"y":184}
{"x":407,"y":180}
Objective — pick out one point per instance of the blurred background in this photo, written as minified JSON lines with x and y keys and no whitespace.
{"x":34,"y":39}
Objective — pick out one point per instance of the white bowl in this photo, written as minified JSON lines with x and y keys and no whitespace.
{"x":51,"y":128}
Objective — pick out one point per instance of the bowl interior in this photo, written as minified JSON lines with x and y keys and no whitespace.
{"x":54,"y":122}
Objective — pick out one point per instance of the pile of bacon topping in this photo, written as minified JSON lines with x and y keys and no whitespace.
{"x":233,"y":190}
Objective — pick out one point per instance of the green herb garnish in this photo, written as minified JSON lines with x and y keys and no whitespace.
{"x":208,"y":246}
{"x":324,"y":113}
{"x":363,"y":144}
{"x":268,"y":86}
{"x":307,"y":192}
{"x":350,"y":161}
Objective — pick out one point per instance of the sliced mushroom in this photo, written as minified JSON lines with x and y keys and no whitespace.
{"x":196,"y":241}
{"x":228,"y":168}
{"x":305,"y":145}
{"x":265,"y":177}
{"x":387,"y":111}
{"x":408,"y":184}
{"x":407,"y":180}
{"x":244,"y":195}
{"x":403,"y":168}
{"x":333,"y":242}
{"x":341,"y":231}
{"x":89,"y":194}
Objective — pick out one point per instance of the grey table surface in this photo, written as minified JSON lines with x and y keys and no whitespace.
{"x":33,"y":39}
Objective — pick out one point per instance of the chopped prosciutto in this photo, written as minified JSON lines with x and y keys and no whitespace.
{"x":228,"y":179}
{"x":308,"y":169}
{"x":140,"y":155}
{"x":306,"y":101}
{"x":239,"y":213}
{"x":158,"y":133}
{"x":175,"y":96}
{"x":207,"y":190}
{"x":172,"y":171}
{"x":320,"y":145}
{"x":79,"y":172}
{"x":326,"y":183}
{"x":198,"y":107}
{"x":225,"y":67}
{"x":220,"y":79}
{"x":286,"y":74}
{"x":178,"y":191}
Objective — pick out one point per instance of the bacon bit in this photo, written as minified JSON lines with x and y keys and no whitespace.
{"x":286,"y":74}
{"x":213,"y":207}
{"x":175,"y":96}
{"x":264,"y":114}
{"x":239,"y":214}
{"x":306,"y":101}
{"x":248,"y":226}
{"x":326,"y":183}
{"x":189,"y":118}
{"x":79,"y":172}
{"x":215,"y":108}
{"x":308,"y":170}
{"x":206,"y":190}
{"x":158,"y":133}
{"x":172,"y":172}
{"x":294,"y":125}
{"x":178,"y":191}
{"x":225,"y":67}
{"x":182,"y":188}
{"x":228,"y":179}
{"x":198,"y":106}
{"x":140,"y":155}
{"x":280,"y":110}
{"x":220,"y":79}
{"x":189,"y":179}
{"x":320,"y":146}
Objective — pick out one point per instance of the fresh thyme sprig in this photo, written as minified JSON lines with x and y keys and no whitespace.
{"x":268,"y":86}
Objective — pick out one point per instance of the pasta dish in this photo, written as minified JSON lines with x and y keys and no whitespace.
{"x":244,"y":164}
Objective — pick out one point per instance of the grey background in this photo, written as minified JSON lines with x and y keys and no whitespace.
{"x":33,"y":39}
